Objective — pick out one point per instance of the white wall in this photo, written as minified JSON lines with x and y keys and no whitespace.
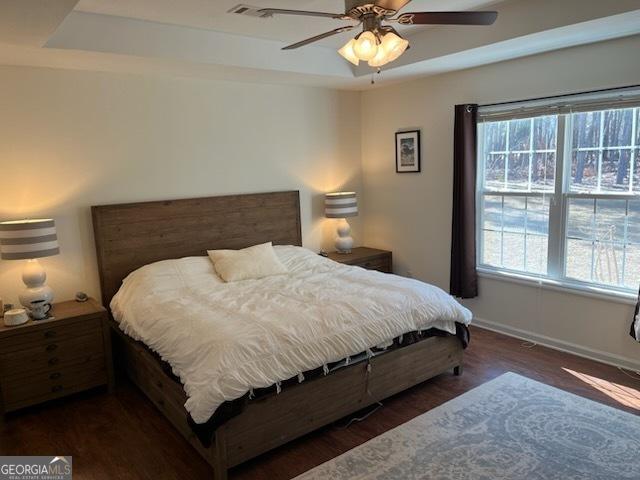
{"x":411,"y":213}
{"x":72,"y":139}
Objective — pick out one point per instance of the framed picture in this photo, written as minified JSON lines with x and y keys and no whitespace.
{"x":408,"y":151}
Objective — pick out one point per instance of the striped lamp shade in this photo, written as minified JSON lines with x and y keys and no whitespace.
{"x":340,"y":205}
{"x":27,"y":239}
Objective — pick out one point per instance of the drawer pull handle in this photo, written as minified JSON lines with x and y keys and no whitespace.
{"x":55,"y":376}
{"x":56,"y":388}
{"x":52,"y":347}
{"x":53,"y":361}
{"x":49,"y":334}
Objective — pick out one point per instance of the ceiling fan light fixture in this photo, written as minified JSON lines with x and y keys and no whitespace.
{"x":348,"y":52}
{"x":378,"y":43}
{"x":393,"y":45}
{"x":366,"y":46}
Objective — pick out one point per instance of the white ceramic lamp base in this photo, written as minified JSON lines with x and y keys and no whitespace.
{"x":34,"y":277}
{"x":344,"y":240}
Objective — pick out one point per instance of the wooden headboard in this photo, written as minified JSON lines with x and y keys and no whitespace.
{"x":131,"y":235}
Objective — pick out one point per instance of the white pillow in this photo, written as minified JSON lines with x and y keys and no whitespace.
{"x":254,"y":262}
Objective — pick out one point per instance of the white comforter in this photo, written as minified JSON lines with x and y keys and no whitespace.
{"x":222,"y":339}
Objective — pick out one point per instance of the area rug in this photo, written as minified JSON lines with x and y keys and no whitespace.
{"x":509,"y":428}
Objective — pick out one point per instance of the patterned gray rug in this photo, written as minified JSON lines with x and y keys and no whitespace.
{"x":509,"y":428}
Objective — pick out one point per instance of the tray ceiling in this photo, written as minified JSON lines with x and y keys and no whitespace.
{"x":212,"y":15}
{"x":198,"y":38}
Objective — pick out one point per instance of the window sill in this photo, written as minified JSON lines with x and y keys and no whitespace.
{"x":559,"y":286}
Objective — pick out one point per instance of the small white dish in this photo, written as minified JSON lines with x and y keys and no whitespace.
{"x":15,"y":317}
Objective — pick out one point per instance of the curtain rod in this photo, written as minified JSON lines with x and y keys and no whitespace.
{"x":604,"y":90}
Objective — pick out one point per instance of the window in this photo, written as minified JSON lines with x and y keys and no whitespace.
{"x":559,"y":196}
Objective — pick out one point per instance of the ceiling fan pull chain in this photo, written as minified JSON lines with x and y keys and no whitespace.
{"x":373,"y":75}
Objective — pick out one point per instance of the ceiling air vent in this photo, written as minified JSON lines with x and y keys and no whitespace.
{"x":248,"y":10}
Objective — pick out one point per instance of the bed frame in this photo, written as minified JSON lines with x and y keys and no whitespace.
{"x":129,"y":236}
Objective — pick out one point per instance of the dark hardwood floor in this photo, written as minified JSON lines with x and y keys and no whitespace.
{"x":123,"y":436}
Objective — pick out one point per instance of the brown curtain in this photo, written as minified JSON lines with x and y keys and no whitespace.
{"x":464,"y":278}
{"x":635,"y":323}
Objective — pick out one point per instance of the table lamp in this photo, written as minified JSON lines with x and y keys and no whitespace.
{"x":342,"y":205}
{"x":29,"y":240}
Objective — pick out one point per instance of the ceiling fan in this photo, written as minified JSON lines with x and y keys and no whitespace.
{"x":379,"y":43}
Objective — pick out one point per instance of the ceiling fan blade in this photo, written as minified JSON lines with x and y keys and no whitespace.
{"x":269,"y":12}
{"x":447,"y":18}
{"x":391,"y":4}
{"x":318,"y":37}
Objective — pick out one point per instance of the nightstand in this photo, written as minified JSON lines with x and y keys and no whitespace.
{"x":46,"y":359}
{"x":365,"y":257}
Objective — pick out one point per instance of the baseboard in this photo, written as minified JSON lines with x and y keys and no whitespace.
{"x":568,"y":347}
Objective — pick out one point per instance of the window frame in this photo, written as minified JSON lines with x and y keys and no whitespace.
{"x":556,"y":276}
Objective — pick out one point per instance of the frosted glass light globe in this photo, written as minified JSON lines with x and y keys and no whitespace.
{"x":348,"y":53}
{"x":366,"y":46}
{"x":380,"y":59}
{"x":394,"y":46}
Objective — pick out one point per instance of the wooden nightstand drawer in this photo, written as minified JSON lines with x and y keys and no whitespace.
{"x":22,"y":391}
{"x":48,"y":333}
{"x":382,"y":265}
{"x":365,"y":257}
{"x":51,"y":355}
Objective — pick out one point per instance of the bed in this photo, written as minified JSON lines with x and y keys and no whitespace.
{"x":150,"y":237}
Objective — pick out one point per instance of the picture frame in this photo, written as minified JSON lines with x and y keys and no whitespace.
{"x":408,"y":151}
